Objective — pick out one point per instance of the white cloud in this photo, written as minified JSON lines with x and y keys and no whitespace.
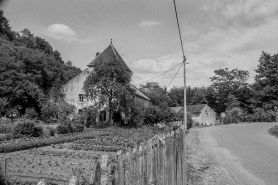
{"x":147,"y":24}
{"x":61,"y":32}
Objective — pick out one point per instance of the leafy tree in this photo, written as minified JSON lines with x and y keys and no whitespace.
{"x":226,"y":83}
{"x":109,"y":83}
{"x":158,"y":95}
{"x":5,"y":28}
{"x":28,"y":63}
{"x":265,"y":88}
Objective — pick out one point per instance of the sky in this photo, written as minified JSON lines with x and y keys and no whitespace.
{"x":216,"y":34}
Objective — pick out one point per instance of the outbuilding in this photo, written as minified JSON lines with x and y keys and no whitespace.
{"x":201,"y":114}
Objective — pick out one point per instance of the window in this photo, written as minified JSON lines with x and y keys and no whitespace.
{"x":81,"y":97}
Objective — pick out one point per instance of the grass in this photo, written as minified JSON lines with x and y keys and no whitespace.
{"x":274,"y":130}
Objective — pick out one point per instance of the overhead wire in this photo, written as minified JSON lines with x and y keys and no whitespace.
{"x":184,"y":59}
{"x":174,"y":76}
{"x":160,"y":74}
{"x":177,"y":18}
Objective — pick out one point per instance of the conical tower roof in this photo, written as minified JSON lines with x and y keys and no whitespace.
{"x":110,"y":51}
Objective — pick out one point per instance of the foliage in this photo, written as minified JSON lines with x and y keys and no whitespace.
{"x":52,"y":112}
{"x":196,"y":95}
{"x":158,"y":95}
{"x":109,"y":83}
{"x":63,"y":129}
{"x":274,"y":130}
{"x":135,"y":117}
{"x":265,"y":88}
{"x":226,"y":83}
{"x":29,"y":69}
{"x":25,"y":127}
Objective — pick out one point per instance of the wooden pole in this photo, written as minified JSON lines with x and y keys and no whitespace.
{"x":184,"y":107}
{"x":184,"y":161}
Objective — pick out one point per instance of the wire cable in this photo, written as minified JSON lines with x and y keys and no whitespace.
{"x":179,"y":29}
{"x":174,"y":76}
{"x":160,"y":74}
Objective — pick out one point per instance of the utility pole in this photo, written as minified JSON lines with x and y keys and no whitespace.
{"x":184,"y":95}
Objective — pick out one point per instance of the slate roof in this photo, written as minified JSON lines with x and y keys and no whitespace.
{"x":193,"y":109}
{"x":139,"y":93}
{"x":176,"y":109}
{"x":109,"y":52}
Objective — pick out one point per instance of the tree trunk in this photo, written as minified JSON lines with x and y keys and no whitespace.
{"x":110,"y":111}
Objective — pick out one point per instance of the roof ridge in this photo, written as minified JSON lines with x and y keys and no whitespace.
{"x":99,"y":54}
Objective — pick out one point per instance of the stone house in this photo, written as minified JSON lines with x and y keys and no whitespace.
{"x":73,"y":89}
{"x":201,"y":113}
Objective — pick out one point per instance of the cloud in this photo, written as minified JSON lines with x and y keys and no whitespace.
{"x":61,"y":32}
{"x":147,"y":24}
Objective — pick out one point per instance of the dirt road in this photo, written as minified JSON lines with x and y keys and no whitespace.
{"x":233,"y":155}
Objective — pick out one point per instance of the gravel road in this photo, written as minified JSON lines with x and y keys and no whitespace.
{"x":239,"y":154}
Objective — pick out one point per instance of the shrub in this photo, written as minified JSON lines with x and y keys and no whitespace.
{"x":63,"y":129}
{"x":24,"y":127}
{"x":51,"y":130}
{"x":135,"y":118}
{"x":78,"y":128}
{"x":31,"y":113}
{"x":274,"y":130}
{"x":197,"y":124}
{"x":38,"y":131}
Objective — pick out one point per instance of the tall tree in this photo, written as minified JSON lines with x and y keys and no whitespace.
{"x":109,"y":83}
{"x":226,"y":83}
{"x":266,"y":82}
{"x":157,"y":94}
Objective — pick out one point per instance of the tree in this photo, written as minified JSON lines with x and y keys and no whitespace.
{"x":265,"y":88}
{"x":226,"y":83}
{"x":109,"y":83}
{"x":158,"y":95}
{"x":5,"y":28}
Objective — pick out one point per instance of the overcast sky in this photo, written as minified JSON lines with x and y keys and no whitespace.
{"x":216,"y":33}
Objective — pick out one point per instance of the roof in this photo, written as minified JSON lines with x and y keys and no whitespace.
{"x":139,"y":93}
{"x":110,"y":51}
{"x":193,"y":108}
{"x":176,"y":109}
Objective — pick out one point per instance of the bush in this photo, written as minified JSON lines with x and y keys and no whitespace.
{"x":78,"y":128}
{"x":31,"y":113}
{"x":63,"y":129}
{"x":274,"y":130}
{"x":38,"y":131}
{"x":135,"y":118}
{"x":51,"y":130}
{"x":24,"y":127}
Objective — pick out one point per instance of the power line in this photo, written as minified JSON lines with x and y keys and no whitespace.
{"x":160,"y":74}
{"x":174,"y":76}
{"x":179,"y":29}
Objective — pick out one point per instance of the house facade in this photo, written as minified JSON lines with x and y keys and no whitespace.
{"x":73,"y":89}
{"x":201,"y":114}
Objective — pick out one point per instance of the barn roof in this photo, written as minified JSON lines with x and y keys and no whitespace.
{"x":109,"y":52}
{"x":176,"y":109}
{"x":139,"y":93}
{"x":191,"y":108}
{"x":195,"y":108}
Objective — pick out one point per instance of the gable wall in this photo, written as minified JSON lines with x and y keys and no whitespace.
{"x":73,"y":88}
{"x":206,"y":119}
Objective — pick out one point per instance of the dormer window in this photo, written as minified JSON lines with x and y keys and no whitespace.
{"x":81,"y":98}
